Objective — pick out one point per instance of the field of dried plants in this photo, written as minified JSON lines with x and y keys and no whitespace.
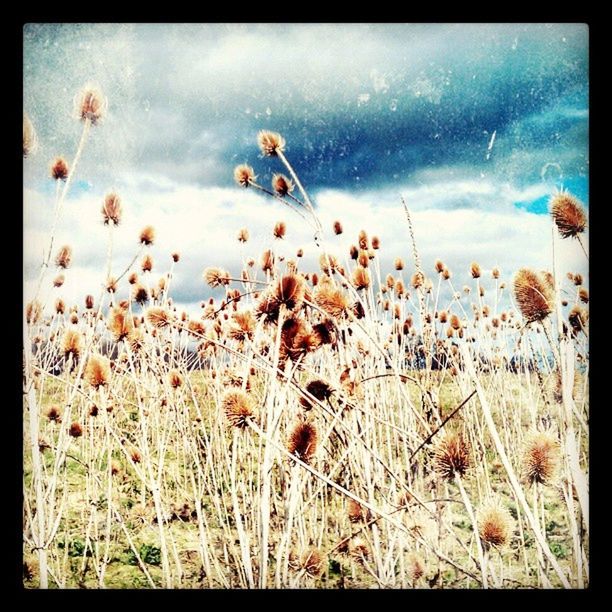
{"x":344,"y":427}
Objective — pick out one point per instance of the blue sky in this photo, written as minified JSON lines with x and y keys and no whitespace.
{"x":477,"y":124}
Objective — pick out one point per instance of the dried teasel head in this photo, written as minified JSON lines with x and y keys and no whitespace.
{"x":60,"y":306}
{"x":176,"y":256}
{"x":268,"y":261}
{"x":237,"y":408}
{"x":244,"y":175}
{"x":338,"y":228}
{"x":72,"y":344}
{"x":75,"y":430}
{"x":568,"y":214}
{"x":583,"y":294}
{"x":417,"y":280}
{"x":318,"y":389}
{"x":494,"y":524}
{"x":541,"y":455}
{"x":140,"y":294}
{"x":63,"y":258}
{"x":242,"y":326}
{"x":54,"y":414}
{"x":356,"y":512}
{"x":331,"y":299}
{"x":120,"y":323}
{"x":398,"y":263}
{"x":578,"y":318}
{"x":97,"y":371}
{"x":361,"y":278}
{"x":147,"y":235}
{"x":175,"y":379}
{"x":289,"y":290}
{"x":359,"y":549}
{"x":58,"y":281}
{"x":243,"y":235}
{"x":91,"y":104}
{"x":452,"y":456}
{"x":280,"y":229}
{"x":475,"y":270}
{"x":270,"y":143}
{"x":534,"y":295}
{"x":312,"y":562}
{"x":158,"y":317}
{"x":303,"y":441}
{"x":59,"y":169}
{"x":216,"y":277}
{"x":328,"y":263}
{"x":446,"y":274}
{"x":112,"y":209}
{"x":375,"y":243}
{"x":33,"y":312}
{"x":281,"y":185}
{"x":146,"y":265}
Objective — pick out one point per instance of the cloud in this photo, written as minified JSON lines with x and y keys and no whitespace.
{"x":360,"y":105}
{"x":202,"y":224}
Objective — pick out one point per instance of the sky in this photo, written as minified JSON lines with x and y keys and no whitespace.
{"x":474,"y":125}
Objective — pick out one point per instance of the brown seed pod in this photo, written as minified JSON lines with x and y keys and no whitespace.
{"x":452,"y":456}
{"x":59,"y":169}
{"x":541,"y":454}
{"x":270,"y":143}
{"x":63,"y":258}
{"x":338,"y":228}
{"x":91,"y":104}
{"x":147,"y":235}
{"x":568,"y":214}
{"x":237,"y":408}
{"x":111,"y":209}
{"x":282,"y":185}
{"x":303,"y":441}
{"x":494,"y":525}
{"x":533,"y":294}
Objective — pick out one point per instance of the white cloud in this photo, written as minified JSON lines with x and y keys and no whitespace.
{"x":202,"y":223}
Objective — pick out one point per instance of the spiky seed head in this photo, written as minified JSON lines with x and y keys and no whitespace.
{"x":270,"y":143}
{"x":356,"y":512}
{"x":30,"y":140}
{"x":58,"y":281}
{"x":577,"y":279}
{"x":60,"y":306}
{"x":244,"y":175}
{"x":494,"y":524}
{"x":216,"y":277}
{"x":583,"y":294}
{"x":75,"y":430}
{"x":446,"y":274}
{"x":289,"y":290}
{"x":475,"y":270}
{"x":267,"y":261}
{"x":417,"y":280}
{"x":280,"y":229}
{"x":63,"y":258}
{"x":400,"y":289}
{"x":282,"y":185}
{"x":89,"y":302}
{"x":120,"y":323}
{"x":33,"y":312}
{"x":54,"y":414}
{"x":237,"y":408}
{"x":338,"y":228}
{"x":112,"y":209}
{"x":97,"y":371}
{"x":147,"y":235}
{"x":91,"y":104}
{"x":175,"y":379}
{"x":495,"y":273}
{"x":311,"y":562}
{"x":578,"y":318}
{"x":317,"y":388}
{"x":361,"y":278}
{"x":300,"y":253}
{"x":243,"y":326}
{"x":332,"y":300}
{"x":533,"y":294}
{"x":59,"y":169}
{"x":158,"y":317}
{"x":146,"y":265}
{"x":568,"y":214}
{"x":452,"y":456}
{"x":375,"y":243}
{"x":359,"y":549}
{"x":328,"y":263}
{"x":140,"y":294}
{"x":111,"y":284}
{"x":303,"y":441}
{"x":541,"y":455}
{"x":362,"y":240}
{"x":398,"y":263}
{"x":243,"y":235}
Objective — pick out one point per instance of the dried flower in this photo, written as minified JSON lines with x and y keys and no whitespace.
{"x":452,"y":456}
{"x":111,"y":210}
{"x":534,"y":296}
{"x":59,"y":169}
{"x":282,"y":185}
{"x":63,"y":257}
{"x":238,"y":409}
{"x":244,"y":175}
{"x":568,"y":214}
{"x":270,"y":143}
{"x":91,"y":104}
{"x":494,"y":524}
{"x":303,"y":441}
{"x":540,"y":457}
